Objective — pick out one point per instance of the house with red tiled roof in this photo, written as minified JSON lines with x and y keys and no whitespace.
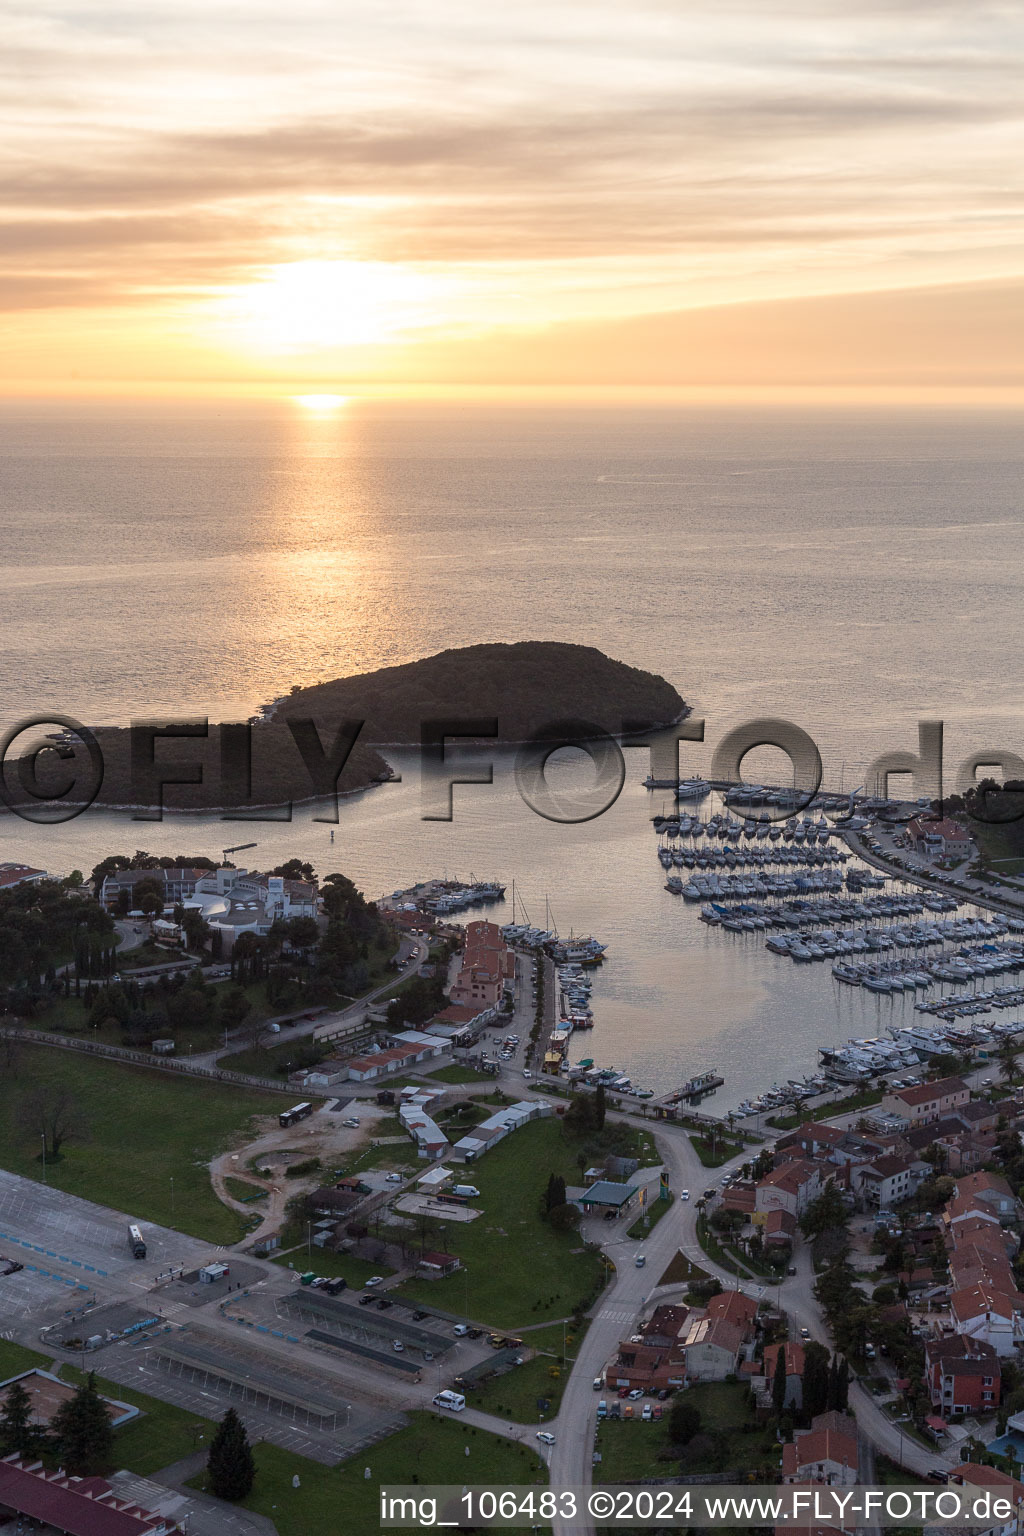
{"x":986,"y":1312}
{"x":886,"y":1181}
{"x":790,"y":1187}
{"x":779,"y":1229}
{"x":714,"y":1342}
{"x":922,"y":1103}
{"x":825,"y":1453}
{"x":963,"y":1375}
{"x":934,"y":839}
{"x":793,"y":1361}
{"x":1000,"y":1485}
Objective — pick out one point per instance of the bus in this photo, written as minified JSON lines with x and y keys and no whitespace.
{"x":296,"y":1113}
{"x":136,"y":1242}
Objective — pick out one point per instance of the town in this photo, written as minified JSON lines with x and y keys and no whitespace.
{"x":298,"y":1187}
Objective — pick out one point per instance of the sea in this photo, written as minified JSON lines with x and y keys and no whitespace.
{"x":852,"y":571}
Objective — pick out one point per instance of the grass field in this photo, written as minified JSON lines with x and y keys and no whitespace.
{"x":520,"y":1270}
{"x":656,"y":1209}
{"x":15,"y":1358}
{"x":355,"y":1270}
{"x":172,"y":1125}
{"x":514,"y":1396}
{"x":459,"y":1074}
{"x":631,"y":1449}
{"x":334,"y":1499}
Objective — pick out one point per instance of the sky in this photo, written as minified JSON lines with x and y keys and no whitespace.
{"x":419,"y":194}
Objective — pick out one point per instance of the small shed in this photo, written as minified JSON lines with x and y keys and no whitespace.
{"x":211,"y":1272}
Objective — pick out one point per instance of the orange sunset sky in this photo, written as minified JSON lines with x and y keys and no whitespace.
{"x":428,"y":194}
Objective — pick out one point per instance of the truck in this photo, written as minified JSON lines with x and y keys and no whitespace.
{"x":466,"y":1191}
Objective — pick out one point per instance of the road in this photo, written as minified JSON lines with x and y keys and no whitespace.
{"x":570,"y":1458}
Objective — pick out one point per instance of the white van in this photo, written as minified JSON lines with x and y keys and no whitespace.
{"x":453,"y":1400}
{"x":466,"y":1191}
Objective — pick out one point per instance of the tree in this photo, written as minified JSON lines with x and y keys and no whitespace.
{"x":564,"y":1217}
{"x":50,"y":1113}
{"x":555,"y":1192}
{"x":230,"y":1465}
{"x":17,"y":1432}
{"x":815,"y":1379}
{"x":824,"y":1213}
{"x":683,"y":1422}
{"x":81,"y":1426}
{"x":779,"y":1381}
{"x":599,"y":1107}
{"x":1009,"y":1055}
{"x":235,"y":1007}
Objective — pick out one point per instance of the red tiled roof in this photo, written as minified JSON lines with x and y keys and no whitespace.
{"x":925,"y":1093}
{"x":77,"y":1506}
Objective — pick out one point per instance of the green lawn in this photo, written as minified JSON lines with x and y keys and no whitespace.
{"x":656,"y":1209}
{"x":143,"y":1129}
{"x":866,"y":1099}
{"x":514,"y":1396}
{"x":355,"y":1270}
{"x":520,"y":1270}
{"x":330,"y":1500}
{"x":388,"y":1154}
{"x":681,"y":1270}
{"x":459,"y":1074}
{"x":631,"y":1449}
{"x":15,"y":1358}
{"x":713,"y":1153}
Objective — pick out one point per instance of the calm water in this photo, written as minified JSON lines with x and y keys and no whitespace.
{"x":852,"y":572}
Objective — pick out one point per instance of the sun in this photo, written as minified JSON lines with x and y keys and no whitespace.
{"x":304,"y":305}
{"x":321,"y":405}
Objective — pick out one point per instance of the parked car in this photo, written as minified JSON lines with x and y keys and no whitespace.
{"x":384,"y":1303}
{"x":648,"y":1413}
{"x":374,"y":1280}
{"x":365,"y":1301}
{"x":634,"y":1394}
{"x":418,"y":1317}
{"x":398,"y":1346}
{"x":598,"y":1383}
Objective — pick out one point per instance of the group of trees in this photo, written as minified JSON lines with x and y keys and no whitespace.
{"x":42,"y":926}
{"x":79,"y":1434}
{"x":556,"y":1210}
{"x":825,"y":1383}
{"x":586,"y":1113}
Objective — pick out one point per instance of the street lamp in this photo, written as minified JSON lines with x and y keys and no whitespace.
{"x":43,"y":1135}
{"x":172,"y":1199}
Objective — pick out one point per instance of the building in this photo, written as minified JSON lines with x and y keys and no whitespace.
{"x":943,"y":839}
{"x":437,"y":1266}
{"x":825,"y":1453}
{"x":790,"y":1187}
{"x":487,"y":970}
{"x":977,"y":1475}
{"x":76,"y":1506}
{"x":233,"y":901}
{"x":963,"y":1375}
{"x":793,"y":1359}
{"x":497,"y":1126}
{"x":12,"y":875}
{"x":715,"y":1341}
{"x":986,"y":1312}
{"x":47,"y":1393}
{"x":888,"y":1180}
{"x":606,"y":1196}
{"x":922,"y":1103}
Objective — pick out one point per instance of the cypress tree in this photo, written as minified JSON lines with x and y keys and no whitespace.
{"x":833,"y":1382}
{"x":843,"y":1386}
{"x":230,"y":1464}
{"x":815,"y":1386}
{"x":81,"y":1425}
{"x":779,"y":1381}
{"x":17,"y":1432}
{"x":599,"y":1107}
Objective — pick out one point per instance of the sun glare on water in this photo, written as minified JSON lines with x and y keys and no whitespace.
{"x":304,"y":305}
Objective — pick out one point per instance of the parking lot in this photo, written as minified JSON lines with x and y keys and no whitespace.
{"x":84,"y":1242}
